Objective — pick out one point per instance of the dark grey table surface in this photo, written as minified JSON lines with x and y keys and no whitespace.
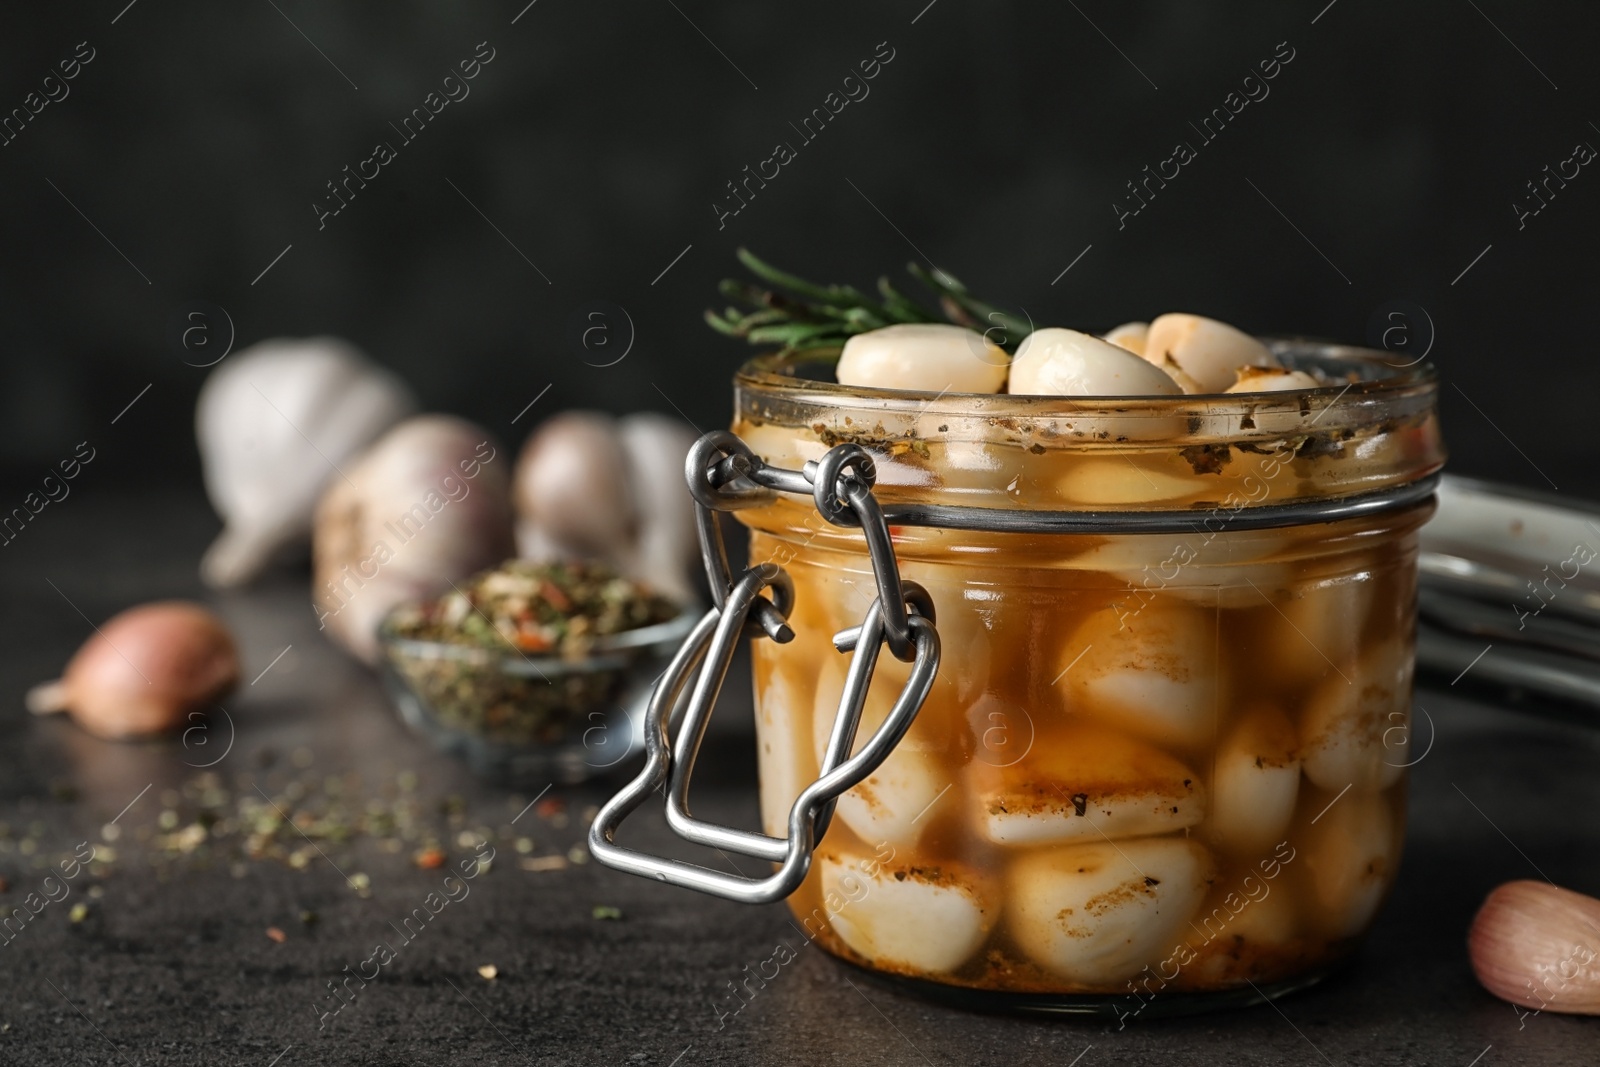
{"x":172,"y":963}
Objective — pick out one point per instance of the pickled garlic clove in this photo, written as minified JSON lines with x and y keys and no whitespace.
{"x":1209,"y":351}
{"x":1209,"y":568}
{"x":1350,"y":854}
{"x":1149,"y":667}
{"x":1130,"y":335}
{"x":1319,"y":629}
{"x":931,"y":357}
{"x":1116,"y":482}
{"x":1255,"y":785}
{"x":1238,"y":927}
{"x":1098,"y":913}
{"x":1356,"y":727}
{"x":787,"y":766}
{"x":892,"y":803}
{"x":1271,"y":380}
{"x":1170,"y":367}
{"x":921,"y":919}
{"x":1085,"y":783}
{"x":1061,"y":362}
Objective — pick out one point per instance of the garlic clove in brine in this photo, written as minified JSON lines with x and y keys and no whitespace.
{"x":1271,"y":380}
{"x":1255,"y":785}
{"x":275,"y":423}
{"x":1149,"y":666}
{"x":1208,"y":351}
{"x":907,"y":917}
{"x":929,"y":357}
{"x":1083,"y":783}
{"x":1355,"y":729}
{"x":1350,"y":853}
{"x":895,"y":803}
{"x":1098,"y":913}
{"x":427,"y":505}
{"x":1130,"y":335}
{"x":1059,"y":362}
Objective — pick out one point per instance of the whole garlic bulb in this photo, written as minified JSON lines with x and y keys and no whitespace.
{"x":574,"y":490}
{"x":668,"y":551}
{"x":1208,"y":351}
{"x":929,"y":357}
{"x":1059,"y":362}
{"x":427,"y":505}
{"x":273,"y":424}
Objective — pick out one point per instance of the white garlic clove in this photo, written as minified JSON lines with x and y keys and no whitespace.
{"x":1209,"y":351}
{"x":1181,"y":376}
{"x":1149,"y":667}
{"x":668,"y":549}
{"x":1210,"y":569}
{"x":1086,"y":783}
{"x":574,"y":491}
{"x":1130,"y":335}
{"x":275,"y":423}
{"x":922,"y":919}
{"x":1098,"y":913}
{"x":1115,"y":483}
{"x":930,"y":357}
{"x":1061,"y":362}
{"x":427,"y":505}
{"x":1271,"y":380}
{"x":1255,"y":785}
{"x":1350,"y":854}
{"x":787,"y":766}
{"x":893,"y":803}
{"x":1254,"y":918}
{"x":1356,"y":726}
{"x":1320,"y":628}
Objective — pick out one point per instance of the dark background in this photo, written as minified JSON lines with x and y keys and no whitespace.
{"x":596,"y":141}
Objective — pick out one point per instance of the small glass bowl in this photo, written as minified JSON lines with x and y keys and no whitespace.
{"x":530,"y":720}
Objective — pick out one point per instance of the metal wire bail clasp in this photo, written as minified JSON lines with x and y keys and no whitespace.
{"x":724,"y":475}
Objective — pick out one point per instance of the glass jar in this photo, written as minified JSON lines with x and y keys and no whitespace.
{"x":1156,"y":770}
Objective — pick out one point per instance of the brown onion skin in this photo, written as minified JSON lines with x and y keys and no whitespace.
{"x":147,"y":668}
{"x":1538,"y":945}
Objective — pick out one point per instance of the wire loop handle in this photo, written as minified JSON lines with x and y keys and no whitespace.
{"x":725,"y":475}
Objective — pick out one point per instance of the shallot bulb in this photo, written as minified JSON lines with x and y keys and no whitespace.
{"x":274,"y":424}
{"x":1538,"y":945}
{"x":144,"y":672}
{"x":427,"y":505}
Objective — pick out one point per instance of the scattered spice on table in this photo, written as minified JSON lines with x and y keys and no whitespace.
{"x":277,"y":935}
{"x":606,"y":911}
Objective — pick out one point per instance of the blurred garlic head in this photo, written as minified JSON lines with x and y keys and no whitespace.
{"x":589,"y":486}
{"x":930,"y":357}
{"x":1208,"y":351}
{"x":274,"y":423}
{"x":574,"y":490}
{"x":1061,"y":362}
{"x":427,"y":505}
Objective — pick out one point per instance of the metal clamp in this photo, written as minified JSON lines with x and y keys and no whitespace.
{"x":724,"y":475}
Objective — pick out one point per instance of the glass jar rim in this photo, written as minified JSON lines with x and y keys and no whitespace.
{"x":1373,"y":378}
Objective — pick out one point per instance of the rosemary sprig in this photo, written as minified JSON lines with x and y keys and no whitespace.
{"x":800,"y":316}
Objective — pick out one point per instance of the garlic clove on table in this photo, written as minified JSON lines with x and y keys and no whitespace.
{"x":1538,"y":945}
{"x":275,"y":423}
{"x":930,"y":357}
